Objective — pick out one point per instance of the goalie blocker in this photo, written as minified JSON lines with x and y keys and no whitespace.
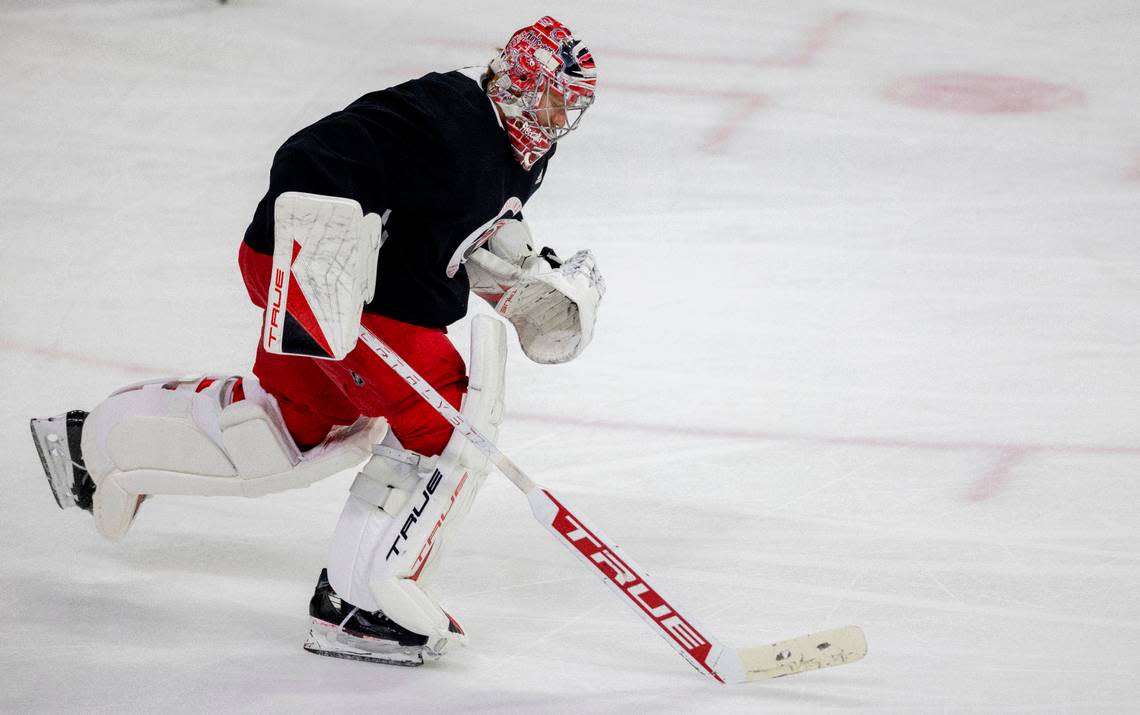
{"x":324,"y":271}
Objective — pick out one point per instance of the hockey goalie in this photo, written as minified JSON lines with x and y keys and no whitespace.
{"x":381,"y":217}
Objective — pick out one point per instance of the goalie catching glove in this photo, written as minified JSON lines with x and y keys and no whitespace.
{"x":552,"y":304}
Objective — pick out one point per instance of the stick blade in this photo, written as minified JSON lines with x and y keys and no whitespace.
{"x":825,"y":649}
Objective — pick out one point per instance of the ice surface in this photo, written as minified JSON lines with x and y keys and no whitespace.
{"x":860,"y":361}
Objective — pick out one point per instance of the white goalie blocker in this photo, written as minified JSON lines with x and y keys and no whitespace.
{"x":324,"y":270}
{"x":553,"y":307}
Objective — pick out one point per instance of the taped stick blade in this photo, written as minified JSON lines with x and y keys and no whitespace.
{"x":825,"y":649}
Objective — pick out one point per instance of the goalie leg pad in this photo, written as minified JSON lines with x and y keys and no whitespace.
{"x":403,"y":507}
{"x":201,"y":436}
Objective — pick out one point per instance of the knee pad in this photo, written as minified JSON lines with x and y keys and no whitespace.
{"x":404,"y":507}
{"x":218,"y":435}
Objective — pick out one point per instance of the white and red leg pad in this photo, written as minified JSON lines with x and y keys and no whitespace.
{"x":209,"y":436}
{"x":403,"y":507}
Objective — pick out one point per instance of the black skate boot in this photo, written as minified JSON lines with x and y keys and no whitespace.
{"x":58,"y":442}
{"x":341,"y":630}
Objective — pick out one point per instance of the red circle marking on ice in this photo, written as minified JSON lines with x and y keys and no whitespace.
{"x":982,"y":93}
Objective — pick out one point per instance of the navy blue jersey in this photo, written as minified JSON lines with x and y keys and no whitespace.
{"x":431,"y":151}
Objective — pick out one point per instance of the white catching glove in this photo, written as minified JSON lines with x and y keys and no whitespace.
{"x":553,"y":305}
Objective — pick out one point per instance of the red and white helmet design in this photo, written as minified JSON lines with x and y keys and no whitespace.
{"x":544,"y":82}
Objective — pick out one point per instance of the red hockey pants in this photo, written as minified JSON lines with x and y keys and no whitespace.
{"x":316,"y":395}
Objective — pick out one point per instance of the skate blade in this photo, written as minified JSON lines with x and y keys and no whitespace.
{"x":328,"y":639}
{"x":50,"y":436}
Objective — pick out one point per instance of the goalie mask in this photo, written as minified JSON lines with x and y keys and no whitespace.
{"x":544,"y":82}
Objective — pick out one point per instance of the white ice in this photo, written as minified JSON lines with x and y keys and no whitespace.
{"x":860,"y":362}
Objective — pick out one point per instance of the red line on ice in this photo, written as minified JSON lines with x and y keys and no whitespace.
{"x":988,"y":484}
{"x":720,"y":136}
{"x":1133,"y":172}
{"x":999,"y":473}
{"x":804,"y":54}
{"x":815,"y":40}
{"x":977,"y":93}
{"x":855,"y":441}
{"x":86,"y":359}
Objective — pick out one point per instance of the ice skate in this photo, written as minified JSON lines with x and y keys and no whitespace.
{"x":341,"y":630}
{"x":58,"y":443}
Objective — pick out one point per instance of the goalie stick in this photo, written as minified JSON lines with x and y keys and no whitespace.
{"x":706,"y":653}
